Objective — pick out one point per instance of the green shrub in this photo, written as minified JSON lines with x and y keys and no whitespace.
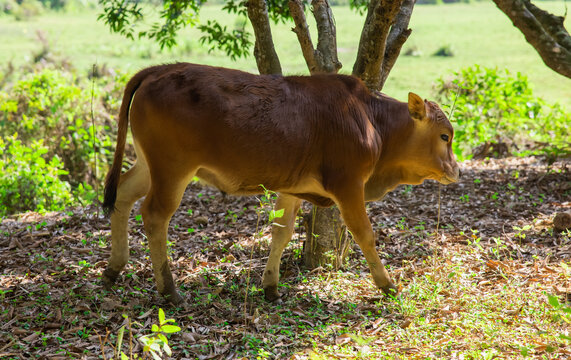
{"x":8,"y":6}
{"x":27,"y":9}
{"x":28,"y":181}
{"x":439,"y":2}
{"x":444,"y":51}
{"x":49,"y":105}
{"x":54,"y":4}
{"x":495,"y":107}
{"x":429,"y":2}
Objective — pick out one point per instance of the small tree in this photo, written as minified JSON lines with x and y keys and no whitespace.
{"x":384,"y":32}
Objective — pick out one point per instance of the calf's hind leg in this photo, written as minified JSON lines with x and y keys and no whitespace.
{"x":133,"y":185}
{"x":159,"y":206}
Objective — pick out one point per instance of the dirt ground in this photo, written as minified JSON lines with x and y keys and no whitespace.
{"x":52,"y":305}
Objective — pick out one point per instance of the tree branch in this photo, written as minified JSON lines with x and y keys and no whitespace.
{"x":264,"y":51}
{"x":324,"y":58}
{"x":302,"y":31}
{"x":326,"y":37}
{"x":554,"y":25}
{"x":542,"y":30}
{"x":380,"y":16}
{"x":397,"y":36}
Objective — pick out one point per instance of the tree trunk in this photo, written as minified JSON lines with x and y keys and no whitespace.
{"x":384,"y":33}
{"x":322,"y":59}
{"x":542,"y":30}
{"x":397,"y":36}
{"x":381,"y":15}
{"x":327,"y":242}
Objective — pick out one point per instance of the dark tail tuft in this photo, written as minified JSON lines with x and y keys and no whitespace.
{"x":110,"y":193}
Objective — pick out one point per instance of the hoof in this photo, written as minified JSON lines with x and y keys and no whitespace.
{"x":174,"y":298}
{"x":272,"y":295}
{"x":109,"y":277}
{"x":390,"y":290}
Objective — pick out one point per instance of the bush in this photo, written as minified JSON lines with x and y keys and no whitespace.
{"x":444,"y":51}
{"x":27,"y":9}
{"x":54,"y":4}
{"x":8,"y":6}
{"x":48,"y":105}
{"x":439,"y":2}
{"x":496,"y":107}
{"x":50,"y":110}
{"x":28,"y":181}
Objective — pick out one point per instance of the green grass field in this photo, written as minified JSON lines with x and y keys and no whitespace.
{"x":477,"y":33}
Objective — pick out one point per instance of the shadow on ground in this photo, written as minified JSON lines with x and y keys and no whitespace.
{"x":52,"y":304}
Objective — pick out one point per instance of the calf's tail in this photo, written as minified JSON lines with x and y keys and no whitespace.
{"x":112,"y":179}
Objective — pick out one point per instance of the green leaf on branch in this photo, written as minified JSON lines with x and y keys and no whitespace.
{"x":235,"y":43}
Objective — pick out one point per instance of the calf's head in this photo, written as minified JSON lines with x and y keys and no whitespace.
{"x":429,"y":146}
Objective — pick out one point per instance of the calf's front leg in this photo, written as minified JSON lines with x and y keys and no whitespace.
{"x":352,"y":206}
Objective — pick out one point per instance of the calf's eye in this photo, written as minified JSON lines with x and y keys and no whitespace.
{"x":444,"y":137}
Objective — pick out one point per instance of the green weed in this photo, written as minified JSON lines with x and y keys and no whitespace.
{"x":28,"y":181}
{"x":493,"y":106}
{"x":154,"y":344}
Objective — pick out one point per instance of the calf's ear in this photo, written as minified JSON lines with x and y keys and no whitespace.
{"x":416,"y":106}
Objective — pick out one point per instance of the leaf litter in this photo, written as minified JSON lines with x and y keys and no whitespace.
{"x":477,"y":288}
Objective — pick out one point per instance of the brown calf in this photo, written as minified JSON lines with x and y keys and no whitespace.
{"x":321,"y":138}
